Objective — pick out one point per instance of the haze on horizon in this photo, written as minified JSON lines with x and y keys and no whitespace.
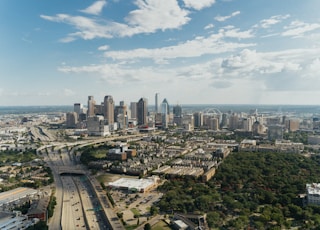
{"x":191,"y":52}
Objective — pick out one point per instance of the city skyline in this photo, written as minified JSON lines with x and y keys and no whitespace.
{"x":197,"y":52}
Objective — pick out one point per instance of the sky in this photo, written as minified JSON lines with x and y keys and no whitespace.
{"x":59,"y":52}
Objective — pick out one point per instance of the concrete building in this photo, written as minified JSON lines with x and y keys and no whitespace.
{"x":313,"y":193}
{"x":198,"y":119}
{"x":313,"y":140}
{"x":97,"y":127}
{"x":138,"y":185}
{"x":142,"y":111}
{"x":108,"y":111}
{"x":14,"y":220}
{"x":164,"y":114}
{"x":275,"y":132}
{"x":293,"y":125}
{"x":234,"y":122}
{"x":121,"y":116}
{"x":133,"y":108}
{"x":188,"y":122}
{"x":72,"y":120}
{"x":78,"y":108}
{"x":156,"y":109}
{"x":214,"y":124}
{"x":14,"y":195}
{"x":177,"y":115}
{"x":91,"y":106}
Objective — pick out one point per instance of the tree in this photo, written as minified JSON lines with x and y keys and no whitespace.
{"x":147,"y":226}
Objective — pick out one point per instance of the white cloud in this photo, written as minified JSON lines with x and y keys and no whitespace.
{"x":95,"y":8}
{"x":224,"y":18}
{"x":68,"y":92}
{"x":209,"y":26}
{"x":198,"y":4}
{"x":213,"y":44}
{"x":266,"y":23}
{"x":103,"y":48}
{"x":233,"y":32}
{"x":151,"y":15}
{"x":299,"y":29}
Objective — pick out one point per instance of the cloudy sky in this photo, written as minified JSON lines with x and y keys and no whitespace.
{"x":190,"y":51}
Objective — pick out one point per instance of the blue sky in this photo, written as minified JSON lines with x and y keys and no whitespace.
{"x":190,"y":51}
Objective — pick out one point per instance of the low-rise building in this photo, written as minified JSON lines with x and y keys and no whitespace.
{"x":313,"y":193}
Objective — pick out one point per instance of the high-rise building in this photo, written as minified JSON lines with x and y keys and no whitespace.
{"x":177,"y":111}
{"x":177,"y":115}
{"x":120,"y":114}
{"x":142,"y":111}
{"x":77,"y":108}
{"x":198,"y":119}
{"x":91,"y":105}
{"x":133,"y":108}
{"x":234,"y":122}
{"x":164,"y":114}
{"x":72,"y":119}
{"x":168,"y":107}
{"x":214,"y":123}
{"x":156,"y":103}
{"x":275,"y":132}
{"x":108,"y":109}
{"x":293,"y":125}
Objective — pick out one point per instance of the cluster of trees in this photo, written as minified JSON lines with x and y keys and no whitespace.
{"x":10,"y":156}
{"x":93,"y":153}
{"x":258,"y":190}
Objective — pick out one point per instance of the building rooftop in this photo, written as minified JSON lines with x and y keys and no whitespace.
{"x":313,"y":188}
{"x":132,"y":183}
{"x":16,"y":194}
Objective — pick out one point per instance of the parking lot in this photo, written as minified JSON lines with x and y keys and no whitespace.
{"x":134,"y":205}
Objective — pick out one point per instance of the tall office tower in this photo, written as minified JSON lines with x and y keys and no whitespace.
{"x":177,"y":111}
{"x":177,"y":115}
{"x":72,"y":120}
{"x":156,"y":103}
{"x":133,"y":108}
{"x":188,"y":122}
{"x":293,"y":125}
{"x":77,"y":108}
{"x":91,"y":105}
{"x":214,"y":123}
{"x":108,"y":109}
{"x":120,"y":115}
{"x":233,"y":122}
{"x":224,"y":121}
{"x":198,"y":119}
{"x":142,"y":111}
{"x":164,"y":115}
{"x":168,"y":107}
{"x":99,"y":109}
{"x":247,"y":124}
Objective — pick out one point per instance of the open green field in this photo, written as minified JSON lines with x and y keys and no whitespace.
{"x":161,"y":225}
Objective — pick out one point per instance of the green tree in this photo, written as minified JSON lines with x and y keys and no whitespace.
{"x":147,"y":226}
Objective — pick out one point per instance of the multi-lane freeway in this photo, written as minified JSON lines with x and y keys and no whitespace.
{"x":79,"y":205}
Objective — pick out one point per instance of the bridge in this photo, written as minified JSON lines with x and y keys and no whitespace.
{"x":213,"y":112}
{"x":70,"y":170}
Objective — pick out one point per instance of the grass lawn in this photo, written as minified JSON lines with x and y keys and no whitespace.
{"x":104,"y":178}
{"x":135,"y":211}
{"x":161,"y":225}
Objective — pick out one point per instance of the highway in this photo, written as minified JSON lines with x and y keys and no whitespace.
{"x":78,"y":207}
{"x":81,"y":202}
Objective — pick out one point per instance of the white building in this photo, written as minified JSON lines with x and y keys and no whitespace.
{"x":96,"y":126}
{"x":313,"y":193}
{"x":140,"y":185}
